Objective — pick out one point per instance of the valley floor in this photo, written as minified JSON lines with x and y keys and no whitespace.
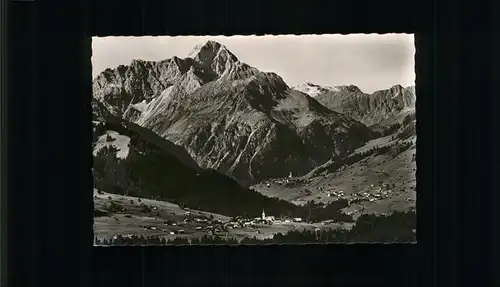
{"x":163,"y":219}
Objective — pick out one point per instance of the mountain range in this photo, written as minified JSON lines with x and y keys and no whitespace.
{"x":248,"y":124}
{"x":229,"y":116}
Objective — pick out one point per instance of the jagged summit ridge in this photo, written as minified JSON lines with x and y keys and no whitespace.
{"x":347,"y":88}
{"x":370,"y":109}
{"x":146,"y":80}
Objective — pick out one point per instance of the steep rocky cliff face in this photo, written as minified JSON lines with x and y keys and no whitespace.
{"x":228,"y":115}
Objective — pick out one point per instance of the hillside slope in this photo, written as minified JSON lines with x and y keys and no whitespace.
{"x":133,"y":161}
{"x":379,"y":177}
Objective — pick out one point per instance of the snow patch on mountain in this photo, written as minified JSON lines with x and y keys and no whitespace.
{"x":314,"y":90}
{"x":191,"y":82}
{"x":310,"y":89}
{"x":147,"y":110}
{"x":141,"y":106}
{"x":112,"y":138}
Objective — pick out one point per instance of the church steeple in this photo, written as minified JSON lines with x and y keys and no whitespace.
{"x":263,"y":214}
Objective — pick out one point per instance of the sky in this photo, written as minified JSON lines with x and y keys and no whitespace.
{"x":370,"y":61}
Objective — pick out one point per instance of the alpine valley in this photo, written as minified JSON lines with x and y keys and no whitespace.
{"x":210,"y":145}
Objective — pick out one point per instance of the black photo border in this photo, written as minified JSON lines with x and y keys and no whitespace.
{"x":47,"y":206}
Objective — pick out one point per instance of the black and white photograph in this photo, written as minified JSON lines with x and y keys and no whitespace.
{"x":276,"y":139}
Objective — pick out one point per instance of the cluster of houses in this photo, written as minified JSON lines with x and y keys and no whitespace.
{"x":331,"y":191}
{"x":240,"y":222}
{"x":272,"y":219}
{"x":377,"y":193}
{"x":285,"y":180}
{"x":190,"y":222}
{"x":214,"y":226}
{"x":193,"y":222}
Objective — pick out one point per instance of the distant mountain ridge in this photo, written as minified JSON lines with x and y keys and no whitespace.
{"x":381,"y":108}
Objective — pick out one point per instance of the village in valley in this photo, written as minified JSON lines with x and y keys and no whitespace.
{"x":137,"y":216}
{"x":377,"y":185}
{"x":377,"y":192}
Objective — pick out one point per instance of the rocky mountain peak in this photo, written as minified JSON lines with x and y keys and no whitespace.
{"x":411,"y":89}
{"x":137,"y":62}
{"x":396,"y":89}
{"x":348,"y":88}
{"x":213,"y":56}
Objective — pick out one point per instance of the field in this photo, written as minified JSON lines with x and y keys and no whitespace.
{"x":158,"y":218}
